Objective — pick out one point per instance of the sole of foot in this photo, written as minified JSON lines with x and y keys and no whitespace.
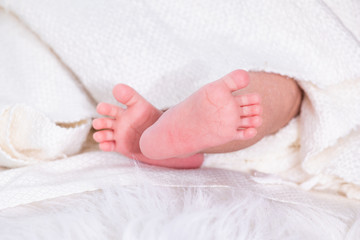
{"x":210,"y":117}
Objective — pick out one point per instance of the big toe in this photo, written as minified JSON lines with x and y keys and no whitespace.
{"x":236,"y":80}
{"x":108,"y":109}
{"x":127,"y":95}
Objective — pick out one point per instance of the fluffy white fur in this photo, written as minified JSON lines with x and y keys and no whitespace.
{"x":153,"y":212}
{"x":142,"y":202}
{"x":135,"y":201}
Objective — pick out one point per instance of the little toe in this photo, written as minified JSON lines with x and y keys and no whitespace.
{"x":245,"y":134}
{"x":107,"y":146}
{"x":247,"y":122}
{"x":108,"y":109}
{"x":127,"y":95}
{"x":236,"y":80}
{"x":103,"y":123}
{"x":252,"y":110}
{"x":103,"y":136}
{"x":248,"y":99}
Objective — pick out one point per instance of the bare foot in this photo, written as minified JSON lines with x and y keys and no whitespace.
{"x":210,"y":117}
{"x":121,"y":131}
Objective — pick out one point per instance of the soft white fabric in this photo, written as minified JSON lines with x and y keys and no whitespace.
{"x":167,"y":50}
{"x":44,"y":114}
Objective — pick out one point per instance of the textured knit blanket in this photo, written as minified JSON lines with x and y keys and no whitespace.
{"x":59,"y":58}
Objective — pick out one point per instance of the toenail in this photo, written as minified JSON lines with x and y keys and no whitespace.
{"x":95,"y":136}
{"x":96,"y":123}
{"x":100,"y":106}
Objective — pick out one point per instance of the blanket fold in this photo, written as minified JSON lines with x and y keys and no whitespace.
{"x":44,"y":113}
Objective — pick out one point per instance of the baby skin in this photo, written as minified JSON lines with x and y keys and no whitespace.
{"x":222,"y":116}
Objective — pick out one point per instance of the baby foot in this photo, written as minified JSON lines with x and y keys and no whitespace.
{"x":121,"y":131}
{"x":210,"y":117}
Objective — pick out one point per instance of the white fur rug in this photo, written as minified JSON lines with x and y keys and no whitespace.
{"x":230,"y":205}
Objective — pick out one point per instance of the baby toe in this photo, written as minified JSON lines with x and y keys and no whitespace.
{"x":250,"y":122}
{"x":108,"y":109}
{"x":102,"y":136}
{"x":103,"y":123}
{"x":236,"y":80}
{"x":252,"y":110}
{"x":245,"y":134}
{"x":248,"y":99}
{"x":126,"y":95}
{"x":107,"y":146}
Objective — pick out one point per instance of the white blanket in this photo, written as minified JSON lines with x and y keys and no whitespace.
{"x":58,"y":58}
